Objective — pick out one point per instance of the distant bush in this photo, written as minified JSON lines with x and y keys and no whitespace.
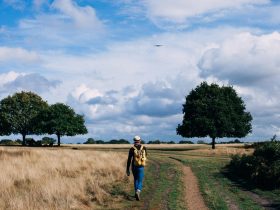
{"x":236,"y":141}
{"x":19,"y":141}
{"x":48,"y":141}
{"x":154,"y":142}
{"x":90,"y":141}
{"x":100,"y":142}
{"x":201,"y":142}
{"x":262,"y":168}
{"x":8,"y":142}
{"x":32,"y":143}
{"x":161,"y":142}
{"x":185,"y":142}
{"x":121,"y":141}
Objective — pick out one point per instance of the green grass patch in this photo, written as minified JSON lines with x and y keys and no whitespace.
{"x":218,"y":191}
{"x":162,"y":187}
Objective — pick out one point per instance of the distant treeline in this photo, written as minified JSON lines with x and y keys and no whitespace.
{"x":236,"y":141}
{"x":113,"y":141}
{"x":124,"y":141}
{"x":47,"y":141}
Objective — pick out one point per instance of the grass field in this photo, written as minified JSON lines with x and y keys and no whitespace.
{"x":39,"y":178}
{"x":93,"y":177}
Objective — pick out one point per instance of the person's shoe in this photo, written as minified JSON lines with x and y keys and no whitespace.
{"x":137,"y":195}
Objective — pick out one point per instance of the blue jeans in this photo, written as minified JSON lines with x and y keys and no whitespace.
{"x":138,"y":174}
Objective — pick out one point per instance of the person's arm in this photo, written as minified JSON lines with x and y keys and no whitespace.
{"x":130,"y":154}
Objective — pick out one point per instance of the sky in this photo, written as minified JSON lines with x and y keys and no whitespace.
{"x":127,"y":65}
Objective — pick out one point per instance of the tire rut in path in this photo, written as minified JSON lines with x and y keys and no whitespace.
{"x":193,"y":196}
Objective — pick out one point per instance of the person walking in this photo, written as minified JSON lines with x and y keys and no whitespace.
{"x":138,"y":156}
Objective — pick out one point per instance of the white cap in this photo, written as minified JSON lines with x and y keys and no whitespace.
{"x":136,"y":138}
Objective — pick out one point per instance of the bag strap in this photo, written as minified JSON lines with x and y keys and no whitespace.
{"x":141,"y":148}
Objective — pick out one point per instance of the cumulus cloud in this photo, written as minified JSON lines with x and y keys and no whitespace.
{"x":9,"y":77}
{"x":83,"y":17}
{"x":155,"y":107}
{"x":243,"y":59}
{"x":27,"y":82}
{"x":66,"y":23}
{"x":18,"y":55}
{"x":179,"y":11}
{"x":157,"y":99}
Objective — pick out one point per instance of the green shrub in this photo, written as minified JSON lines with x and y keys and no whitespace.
{"x":8,"y":142}
{"x":185,"y":142}
{"x":201,"y":142}
{"x":90,"y":141}
{"x":262,"y":168}
{"x":154,"y":142}
{"x":48,"y":141}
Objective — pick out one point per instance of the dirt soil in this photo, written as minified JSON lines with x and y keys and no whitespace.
{"x":193,"y":197}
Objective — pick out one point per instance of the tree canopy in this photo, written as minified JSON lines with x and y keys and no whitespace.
{"x":18,"y":113}
{"x":214,"y":111}
{"x":61,"y":120}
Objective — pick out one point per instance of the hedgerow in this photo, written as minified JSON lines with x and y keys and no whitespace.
{"x":261,"y":168}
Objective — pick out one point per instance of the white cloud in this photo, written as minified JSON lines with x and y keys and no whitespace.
{"x":39,"y":3}
{"x":83,"y":17}
{"x":65,"y":24}
{"x":12,"y":82}
{"x":18,"y":55}
{"x":244,"y":59}
{"x":134,"y":87}
{"x":166,"y":12}
{"x":9,"y":77}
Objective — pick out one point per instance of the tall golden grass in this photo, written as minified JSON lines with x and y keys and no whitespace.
{"x":58,"y":179}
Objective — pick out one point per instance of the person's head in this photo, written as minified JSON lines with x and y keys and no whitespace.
{"x":137,"y":140}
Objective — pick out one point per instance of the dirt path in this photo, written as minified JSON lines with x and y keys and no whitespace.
{"x":161,"y":178}
{"x":193,"y":197}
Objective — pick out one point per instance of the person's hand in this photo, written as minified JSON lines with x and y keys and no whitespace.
{"x":127,"y":173}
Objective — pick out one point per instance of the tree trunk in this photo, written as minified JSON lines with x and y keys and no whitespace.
{"x":213,"y":142}
{"x":23,"y":139}
{"x":58,"y":139}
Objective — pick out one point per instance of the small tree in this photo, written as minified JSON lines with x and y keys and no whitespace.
{"x":48,"y":141}
{"x":90,"y":141}
{"x":216,"y":112}
{"x":19,"y":112}
{"x":61,"y":120}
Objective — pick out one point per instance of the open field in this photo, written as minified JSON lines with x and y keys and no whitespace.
{"x":93,"y":177}
{"x":39,"y":178}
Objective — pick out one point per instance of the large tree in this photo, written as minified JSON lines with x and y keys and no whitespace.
{"x":61,"y":120}
{"x":19,"y":112}
{"x":214,"y":111}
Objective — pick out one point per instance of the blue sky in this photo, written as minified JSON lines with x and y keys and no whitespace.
{"x":99,"y":56}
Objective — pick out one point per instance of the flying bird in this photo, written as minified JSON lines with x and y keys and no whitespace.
{"x":158,"y":45}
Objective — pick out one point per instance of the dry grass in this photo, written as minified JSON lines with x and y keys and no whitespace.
{"x":223,"y":150}
{"x":58,"y":179}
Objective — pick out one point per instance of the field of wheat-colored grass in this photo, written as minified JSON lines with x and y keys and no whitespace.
{"x":200,"y":149}
{"x":223,"y":150}
{"x":58,"y":179}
